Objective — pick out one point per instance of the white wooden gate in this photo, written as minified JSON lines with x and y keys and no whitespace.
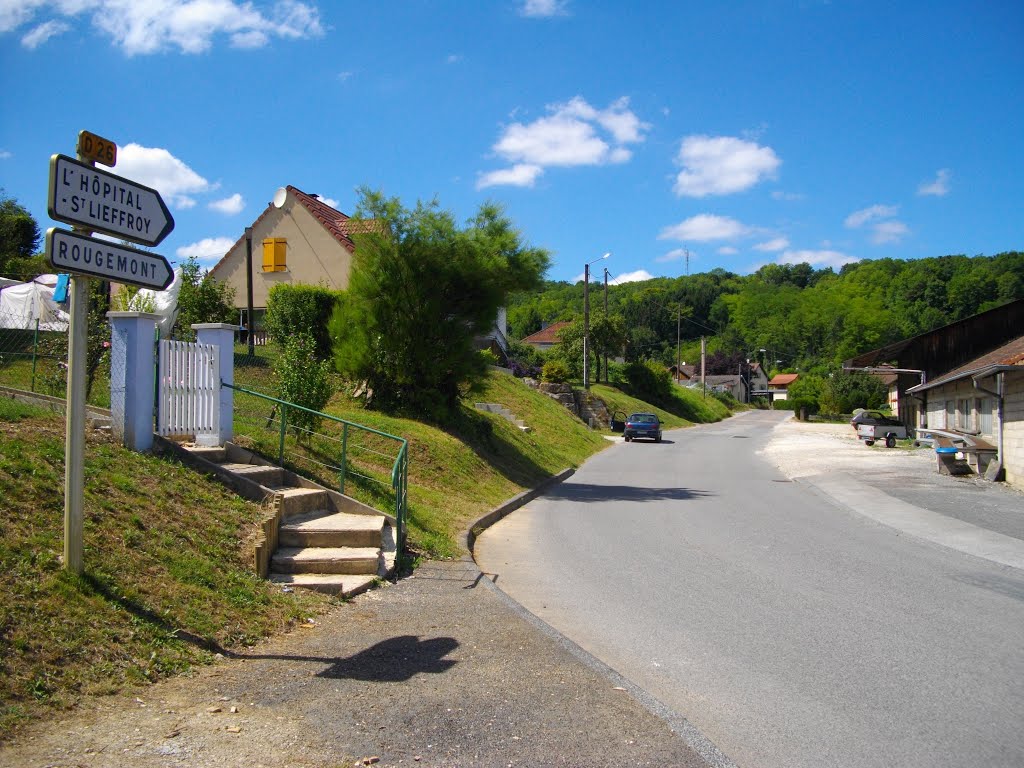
{"x":189,"y":391}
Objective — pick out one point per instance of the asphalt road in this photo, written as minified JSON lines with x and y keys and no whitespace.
{"x":791,"y":630}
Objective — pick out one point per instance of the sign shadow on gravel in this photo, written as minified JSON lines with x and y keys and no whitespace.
{"x":395,"y":660}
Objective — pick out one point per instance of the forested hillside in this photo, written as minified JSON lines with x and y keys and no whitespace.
{"x":802,"y":317}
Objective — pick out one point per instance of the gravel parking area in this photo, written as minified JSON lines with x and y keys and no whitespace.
{"x":806,"y":450}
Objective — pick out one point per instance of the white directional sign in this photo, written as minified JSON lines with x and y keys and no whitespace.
{"x":72,"y":252}
{"x":93,"y":199}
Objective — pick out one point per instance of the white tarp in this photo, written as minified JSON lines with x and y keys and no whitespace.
{"x":22,"y":304}
{"x":164,"y":303}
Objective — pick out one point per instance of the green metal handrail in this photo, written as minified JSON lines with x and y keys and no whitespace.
{"x":399,"y":470}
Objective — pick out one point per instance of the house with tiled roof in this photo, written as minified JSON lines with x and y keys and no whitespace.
{"x":298,"y":239}
{"x":778,"y":387}
{"x":964,"y":377}
{"x":983,"y":398}
{"x":547,"y":337}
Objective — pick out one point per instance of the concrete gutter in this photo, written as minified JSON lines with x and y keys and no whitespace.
{"x":468,"y":537}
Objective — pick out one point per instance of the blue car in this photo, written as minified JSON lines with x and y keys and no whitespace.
{"x":642,"y":425}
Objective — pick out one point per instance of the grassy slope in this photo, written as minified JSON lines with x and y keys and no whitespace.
{"x":686,"y":407}
{"x":168,"y":575}
{"x":460,"y":472}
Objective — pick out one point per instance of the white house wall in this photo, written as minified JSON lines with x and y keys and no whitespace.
{"x":1013,"y":431}
{"x":314,"y":256}
{"x":1013,"y":418}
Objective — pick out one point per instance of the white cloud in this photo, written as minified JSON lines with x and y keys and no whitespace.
{"x":5,"y":155}
{"x":819,"y":259}
{"x":327,"y":201}
{"x":884,"y":226}
{"x":520,"y":175}
{"x":543,"y":8}
{"x":728,"y":250}
{"x":867,"y":215}
{"x":676,"y":254}
{"x":704,"y":227}
{"x":454,"y":58}
{"x":573,"y":134}
{"x":721,"y":165}
{"x":787,"y":196}
{"x":158,"y":168}
{"x":209,"y":249}
{"x":632,"y":277}
{"x":889,"y":232}
{"x":40,"y":34}
{"x":344,"y":76}
{"x":778,"y":244}
{"x":229,"y":205}
{"x":150,"y":26}
{"x":939,"y":187}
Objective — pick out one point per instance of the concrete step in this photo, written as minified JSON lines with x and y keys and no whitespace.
{"x":350,"y":560}
{"x":338,"y":530}
{"x":263,"y":474}
{"x":331,"y":583}
{"x":299,"y":501}
{"x":214,"y":454}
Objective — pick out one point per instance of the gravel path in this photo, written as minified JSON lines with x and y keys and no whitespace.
{"x":438,"y":670}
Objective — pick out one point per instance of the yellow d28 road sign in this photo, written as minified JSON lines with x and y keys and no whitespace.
{"x":97,"y":149}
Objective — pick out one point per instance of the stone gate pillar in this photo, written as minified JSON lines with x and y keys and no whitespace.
{"x":132,"y":378}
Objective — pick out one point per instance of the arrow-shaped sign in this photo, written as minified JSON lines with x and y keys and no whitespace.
{"x":72,"y":252}
{"x":88,"y":197}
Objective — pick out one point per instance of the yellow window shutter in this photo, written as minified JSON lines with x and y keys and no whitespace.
{"x":275,"y":254}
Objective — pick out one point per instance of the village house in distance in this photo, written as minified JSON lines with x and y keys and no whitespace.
{"x":298,"y":239}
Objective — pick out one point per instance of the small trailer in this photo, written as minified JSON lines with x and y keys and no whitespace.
{"x":888,"y":430}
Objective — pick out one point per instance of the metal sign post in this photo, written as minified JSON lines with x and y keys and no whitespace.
{"x":91,"y":199}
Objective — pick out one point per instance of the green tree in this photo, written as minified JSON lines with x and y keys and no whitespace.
{"x":19,"y":241}
{"x":421,"y":290}
{"x":202,"y":300}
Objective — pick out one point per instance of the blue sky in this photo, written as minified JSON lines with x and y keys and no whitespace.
{"x":743,"y":133}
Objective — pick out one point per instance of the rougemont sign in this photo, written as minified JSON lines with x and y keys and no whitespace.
{"x":71,"y":252}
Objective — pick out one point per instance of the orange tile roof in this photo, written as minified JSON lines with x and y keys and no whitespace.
{"x":549,"y":335}
{"x":783,"y":379}
{"x":334,"y":221}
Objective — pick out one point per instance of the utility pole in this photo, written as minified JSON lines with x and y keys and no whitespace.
{"x":703,"y":360}
{"x":606,"y":320}
{"x":248,"y":291}
{"x":679,"y":320}
{"x":586,"y":326}
{"x":586,"y":319}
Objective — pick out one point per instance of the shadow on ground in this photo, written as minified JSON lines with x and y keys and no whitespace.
{"x":589,"y":492}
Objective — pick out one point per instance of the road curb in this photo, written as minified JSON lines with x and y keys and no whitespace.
{"x":468,"y":538}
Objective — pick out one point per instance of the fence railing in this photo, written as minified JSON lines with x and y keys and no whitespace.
{"x":369,"y":465}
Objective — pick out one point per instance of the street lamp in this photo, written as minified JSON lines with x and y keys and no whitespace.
{"x":586,"y":319}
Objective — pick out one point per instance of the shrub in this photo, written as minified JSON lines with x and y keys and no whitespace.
{"x":304,"y":380}
{"x":555,"y":371}
{"x":301,"y":309}
{"x":649,"y":381}
{"x":726,"y":399}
